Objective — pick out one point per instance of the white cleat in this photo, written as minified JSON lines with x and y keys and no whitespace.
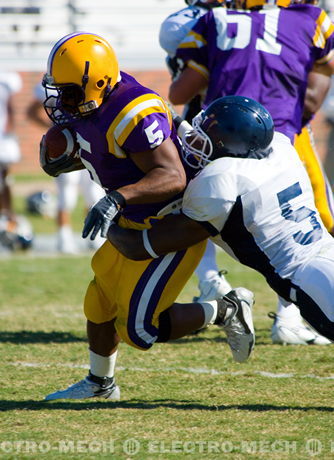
{"x":213,"y":288}
{"x":235,"y":317}
{"x":86,"y":388}
{"x":295,"y":332}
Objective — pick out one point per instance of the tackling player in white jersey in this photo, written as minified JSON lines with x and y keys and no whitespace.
{"x":288,"y":326}
{"x":256,"y":203}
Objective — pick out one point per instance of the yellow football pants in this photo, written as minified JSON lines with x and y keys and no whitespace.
{"x":323,"y":195}
{"x":136,"y":292}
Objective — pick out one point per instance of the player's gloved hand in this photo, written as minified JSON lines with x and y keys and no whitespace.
{"x":102,"y":214}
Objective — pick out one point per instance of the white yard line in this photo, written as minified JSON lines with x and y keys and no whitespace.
{"x":185,"y":370}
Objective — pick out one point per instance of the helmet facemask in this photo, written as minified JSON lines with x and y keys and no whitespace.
{"x":197,"y":146}
{"x":62,"y":103}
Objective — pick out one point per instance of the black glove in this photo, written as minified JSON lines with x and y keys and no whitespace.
{"x":102,"y":214}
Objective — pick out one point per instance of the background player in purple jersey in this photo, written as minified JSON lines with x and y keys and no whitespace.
{"x":259,"y":53}
{"x":129,"y":144}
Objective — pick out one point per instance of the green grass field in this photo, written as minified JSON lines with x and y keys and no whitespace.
{"x":186,"y":399}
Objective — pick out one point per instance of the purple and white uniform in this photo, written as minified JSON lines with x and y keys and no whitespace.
{"x":134,"y":119}
{"x":237,"y":49}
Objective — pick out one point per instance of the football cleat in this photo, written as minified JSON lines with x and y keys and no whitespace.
{"x":213,"y":288}
{"x":90,"y":387}
{"x":294,"y":332}
{"x":235,"y":317}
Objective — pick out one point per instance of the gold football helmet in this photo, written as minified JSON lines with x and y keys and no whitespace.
{"x":82,"y":69}
{"x":256,"y":4}
{"x":250,"y":4}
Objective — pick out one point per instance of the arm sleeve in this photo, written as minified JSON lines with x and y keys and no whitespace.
{"x":209,"y":199}
{"x":323,"y":38}
{"x":193,"y":49}
{"x":142,"y":125}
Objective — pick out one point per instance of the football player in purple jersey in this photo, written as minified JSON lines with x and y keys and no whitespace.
{"x":258,"y":52}
{"x":129,"y":144}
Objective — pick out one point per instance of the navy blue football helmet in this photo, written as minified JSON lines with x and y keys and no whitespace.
{"x":233,"y":126}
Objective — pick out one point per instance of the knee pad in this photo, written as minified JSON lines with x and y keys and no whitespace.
{"x":164,"y":327}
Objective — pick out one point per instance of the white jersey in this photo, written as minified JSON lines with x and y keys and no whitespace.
{"x":10,"y":83}
{"x":261,"y":211}
{"x":176,"y":26}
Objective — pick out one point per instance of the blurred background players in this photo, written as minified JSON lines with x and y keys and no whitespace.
{"x":226,"y":52}
{"x":15,"y":230}
{"x":68,"y":186}
{"x":10,"y":83}
{"x":212,"y":282}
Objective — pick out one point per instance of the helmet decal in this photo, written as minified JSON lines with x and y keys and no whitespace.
{"x":56,"y":48}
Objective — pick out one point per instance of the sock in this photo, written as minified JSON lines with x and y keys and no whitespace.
{"x":210,"y":312}
{"x":102,"y":366}
{"x":207,"y":268}
{"x":287,"y":310}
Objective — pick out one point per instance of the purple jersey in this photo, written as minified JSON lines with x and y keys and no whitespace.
{"x":133,"y":119}
{"x":265,"y":55}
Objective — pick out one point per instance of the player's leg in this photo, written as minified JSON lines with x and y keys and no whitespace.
{"x":329,"y":160}
{"x":323,"y":195}
{"x":9,"y":155}
{"x":100,"y":310}
{"x":137,"y":294}
{"x":212,"y":282}
{"x":67,"y":194}
{"x":5,"y":193}
{"x":233,"y":312}
{"x":315,"y":292}
{"x":152,"y":316}
{"x":289,"y":327}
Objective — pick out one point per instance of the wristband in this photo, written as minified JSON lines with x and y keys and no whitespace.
{"x":118,"y":198}
{"x":147,"y":245}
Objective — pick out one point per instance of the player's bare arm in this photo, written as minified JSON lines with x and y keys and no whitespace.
{"x":318,"y":84}
{"x":164,"y":178}
{"x":187,"y":86}
{"x":173,"y":233}
{"x":317,"y":88}
{"x":164,"y":175}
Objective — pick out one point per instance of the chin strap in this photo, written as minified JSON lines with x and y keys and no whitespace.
{"x":85,"y":76}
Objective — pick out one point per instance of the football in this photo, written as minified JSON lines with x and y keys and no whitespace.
{"x":59,"y":141}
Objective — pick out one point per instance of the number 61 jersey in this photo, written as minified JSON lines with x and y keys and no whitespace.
{"x":260,"y":211}
{"x":265,"y":55}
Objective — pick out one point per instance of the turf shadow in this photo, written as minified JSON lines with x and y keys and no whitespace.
{"x":26,"y":337}
{"x":10,"y":405}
